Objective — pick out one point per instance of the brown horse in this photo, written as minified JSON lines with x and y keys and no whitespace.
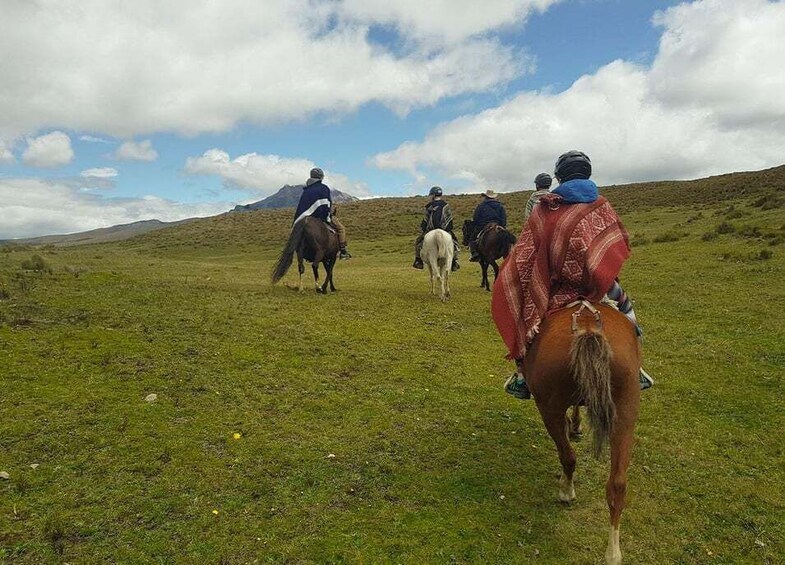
{"x":495,"y":243}
{"x":589,"y":354}
{"x":313,"y":241}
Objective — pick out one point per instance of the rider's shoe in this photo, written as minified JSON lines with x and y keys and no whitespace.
{"x":345,"y":254}
{"x":474,"y":258}
{"x":645,"y":379}
{"x":418,"y":263}
{"x":517,"y":387}
{"x":455,"y":265}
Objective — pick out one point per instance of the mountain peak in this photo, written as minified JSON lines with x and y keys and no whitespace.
{"x":288,"y":196}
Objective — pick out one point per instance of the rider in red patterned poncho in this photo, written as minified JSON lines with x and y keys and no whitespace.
{"x":572,"y":246}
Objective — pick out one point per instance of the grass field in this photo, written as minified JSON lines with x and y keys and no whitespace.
{"x":370,"y":426}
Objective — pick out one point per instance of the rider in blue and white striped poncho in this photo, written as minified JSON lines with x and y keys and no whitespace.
{"x":316,"y":201}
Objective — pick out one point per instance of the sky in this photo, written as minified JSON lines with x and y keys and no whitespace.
{"x":113,"y":112}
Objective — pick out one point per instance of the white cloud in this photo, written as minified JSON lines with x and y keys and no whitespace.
{"x":93,"y":139}
{"x":136,"y":151}
{"x":198,"y":66}
{"x":442,"y":21}
{"x":34,"y":207}
{"x":711,"y":102}
{"x":6,"y":157}
{"x":48,"y":150}
{"x":262,"y":175}
{"x":100,"y":173}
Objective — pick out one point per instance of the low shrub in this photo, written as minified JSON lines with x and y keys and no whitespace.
{"x":36,"y":263}
{"x":668,"y":236}
{"x":709,"y":235}
{"x":725,"y":227}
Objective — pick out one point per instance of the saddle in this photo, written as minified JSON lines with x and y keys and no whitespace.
{"x":486,"y":229}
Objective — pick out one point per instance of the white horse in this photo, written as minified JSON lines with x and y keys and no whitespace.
{"x":437,"y":253}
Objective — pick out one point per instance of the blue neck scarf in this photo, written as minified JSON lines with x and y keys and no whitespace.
{"x":577,"y":191}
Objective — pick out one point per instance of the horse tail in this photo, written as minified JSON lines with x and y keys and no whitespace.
{"x":590,"y":362}
{"x":285,"y":260}
{"x":506,"y":241}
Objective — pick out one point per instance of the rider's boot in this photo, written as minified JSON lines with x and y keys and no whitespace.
{"x":475,"y":254}
{"x":516,"y":386}
{"x":455,"y":265}
{"x":344,"y":254}
{"x":645,"y":379}
{"x":418,"y":263}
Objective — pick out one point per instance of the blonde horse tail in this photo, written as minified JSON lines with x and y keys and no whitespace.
{"x":590,"y":363}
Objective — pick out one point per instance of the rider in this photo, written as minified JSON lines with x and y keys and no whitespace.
{"x":572,"y":247}
{"x":437,"y":216}
{"x":316,"y":201}
{"x":489,"y":211}
{"x":542,"y":185}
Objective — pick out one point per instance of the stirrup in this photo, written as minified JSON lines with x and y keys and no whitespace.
{"x":517,"y":389}
{"x":344,"y":254}
{"x":645,"y":379}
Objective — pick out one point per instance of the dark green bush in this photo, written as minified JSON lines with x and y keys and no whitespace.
{"x":36,"y":263}
{"x":725,"y":227}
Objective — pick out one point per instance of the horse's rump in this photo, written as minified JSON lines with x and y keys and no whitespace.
{"x":591,"y":361}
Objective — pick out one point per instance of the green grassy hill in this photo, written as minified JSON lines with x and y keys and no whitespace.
{"x":370,"y":426}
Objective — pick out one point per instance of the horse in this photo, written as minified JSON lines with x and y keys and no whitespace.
{"x":593,"y":361}
{"x":437,"y":253}
{"x":313,"y":241}
{"x":494,"y":244}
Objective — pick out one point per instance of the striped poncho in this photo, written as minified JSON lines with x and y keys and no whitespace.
{"x":564,"y":252}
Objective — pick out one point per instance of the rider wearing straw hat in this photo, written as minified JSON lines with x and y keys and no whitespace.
{"x":489,"y":211}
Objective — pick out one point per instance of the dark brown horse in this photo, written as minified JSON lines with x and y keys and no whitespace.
{"x":494,"y":243}
{"x":313,"y":241}
{"x":589,"y":355}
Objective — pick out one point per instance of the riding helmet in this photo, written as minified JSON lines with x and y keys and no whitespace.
{"x":435,"y":191}
{"x":543,"y":180}
{"x":317,"y":173}
{"x":572,"y":165}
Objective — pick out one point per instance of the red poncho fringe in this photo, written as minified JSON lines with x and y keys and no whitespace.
{"x":564,"y":252}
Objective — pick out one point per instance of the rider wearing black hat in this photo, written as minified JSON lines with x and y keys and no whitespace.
{"x":438,"y":215}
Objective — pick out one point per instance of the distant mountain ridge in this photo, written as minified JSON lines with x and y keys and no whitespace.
{"x":100,"y":235}
{"x":288,"y":197}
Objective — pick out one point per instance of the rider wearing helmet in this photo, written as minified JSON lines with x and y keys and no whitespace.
{"x":316,"y":201}
{"x":542,"y":184}
{"x":572,"y":247}
{"x":437,"y":216}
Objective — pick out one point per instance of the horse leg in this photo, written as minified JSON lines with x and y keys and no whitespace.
{"x":315,"y":267}
{"x":300,"y":269}
{"x":575,"y":423}
{"x":495,"y":270}
{"x":556,"y":424}
{"x":484,"y":271}
{"x":616,"y":487}
{"x":445,"y":271}
{"x":327,"y":271}
{"x":329,"y":268}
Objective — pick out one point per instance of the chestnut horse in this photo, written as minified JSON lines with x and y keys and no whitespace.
{"x":588,"y":354}
{"x":495,"y":243}
{"x":313,"y":241}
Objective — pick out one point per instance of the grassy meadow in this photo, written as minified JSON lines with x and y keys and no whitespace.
{"x":370,"y":425}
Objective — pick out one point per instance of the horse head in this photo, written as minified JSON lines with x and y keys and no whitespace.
{"x":468,"y":231}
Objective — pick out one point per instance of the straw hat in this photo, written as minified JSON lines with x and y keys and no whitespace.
{"x":490,"y":193}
